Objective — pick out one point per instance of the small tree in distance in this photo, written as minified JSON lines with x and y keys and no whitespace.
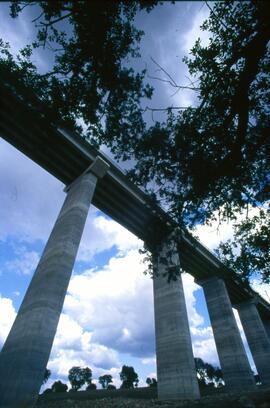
{"x":46,"y":375}
{"x":105,"y":380}
{"x":79,"y":376}
{"x":58,"y":386}
{"x":152,"y":382}
{"x":91,"y":387}
{"x":129,"y":377}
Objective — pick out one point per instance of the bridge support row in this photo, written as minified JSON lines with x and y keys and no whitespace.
{"x":26,"y":351}
{"x":175,"y":363}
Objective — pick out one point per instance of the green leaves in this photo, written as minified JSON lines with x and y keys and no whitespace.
{"x":248,"y":251}
{"x":89,"y":80}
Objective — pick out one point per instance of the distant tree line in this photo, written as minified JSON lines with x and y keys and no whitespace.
{"x":78,"y":377}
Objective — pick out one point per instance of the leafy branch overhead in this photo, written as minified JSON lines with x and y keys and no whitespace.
{"x":205,"y":162}
{"x":211,"y":161}
{"x":90,"y":80}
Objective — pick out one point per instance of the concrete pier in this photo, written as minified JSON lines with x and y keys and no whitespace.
{"x":26,"y":351}
{"x":232,"y":356}
{"x":175,"y":362}
{"x":266,"y":324}
{"x":257,"y":338}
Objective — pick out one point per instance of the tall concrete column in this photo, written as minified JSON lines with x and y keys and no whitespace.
{"x":176,"y":372}
{"x":257,"y":338}
{"x":266,"y":324}
{"x":232,"y":356}
{"x":26,"y":351}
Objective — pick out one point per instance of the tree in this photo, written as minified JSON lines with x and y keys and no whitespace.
{"x":105,"y":380}
{"x":248,"y":250}
{"x":129,"y":377}
{"x":111,"y":387}
{"x":58,"y":386}
{"x":152,"y":382}
{"x":79,"y":376}
{"x":90,"y":80}
{"x":91,"y":387}
{"x":206,"y":373}
{"x":211,"y":161}
{"x":46,"y":375}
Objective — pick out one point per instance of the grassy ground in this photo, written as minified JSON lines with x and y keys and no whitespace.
{"x":259,"y":399}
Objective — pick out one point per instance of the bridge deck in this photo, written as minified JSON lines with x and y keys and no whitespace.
{"x":66,"y":155}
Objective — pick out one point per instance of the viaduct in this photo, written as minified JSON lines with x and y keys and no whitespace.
{"x":90,"y":177}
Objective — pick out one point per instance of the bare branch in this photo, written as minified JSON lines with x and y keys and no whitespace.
{"x":41,"y":24}
{"x":171,"y":81}
{"x":165,"y":72}
{"x":147,"y":108}
{"x":37,"y":18}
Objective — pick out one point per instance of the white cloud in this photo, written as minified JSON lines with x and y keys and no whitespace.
{"x":25,"y":263}
{"x":30,"y":196}
{"x":101,"y":234}
{"x":204,"y":345}
{"x":111,"y":303}
{"x":212,"y":235}
{"x":190,"y":287}
{"x":190,"y":36}
{"x":7,"y":317}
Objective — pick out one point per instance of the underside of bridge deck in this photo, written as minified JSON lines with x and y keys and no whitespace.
{"x":64,"y":154}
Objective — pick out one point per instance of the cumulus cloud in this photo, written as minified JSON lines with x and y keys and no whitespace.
{"x":101,"y":234}
{"x":116,"y":303}
{"x":204,"y":344}
{"x":25,"y":263}
{"x":7,"y":317}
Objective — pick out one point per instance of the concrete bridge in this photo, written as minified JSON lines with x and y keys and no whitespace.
{"x":90,"y":177}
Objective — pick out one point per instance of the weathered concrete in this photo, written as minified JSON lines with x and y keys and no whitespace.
{"x":257,"y":338}
{"x":266,"y":324}
{"x":175,"y":362}
{"x":232,"y":356}
{"x":26,"y":351}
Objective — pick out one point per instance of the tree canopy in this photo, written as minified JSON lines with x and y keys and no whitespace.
{"x":105,"y":380}
{"x":128,"y":377}
{"x":208,"y":161}
{"x":90,"y":81}
{"x":79,"y":376}
{"x":206,"y":373}
{"x":211,"y":161}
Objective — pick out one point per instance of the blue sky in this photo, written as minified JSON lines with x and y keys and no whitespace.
{"x":107,"y":320}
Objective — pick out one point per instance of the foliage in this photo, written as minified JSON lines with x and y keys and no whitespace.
{"x":111,"y":387}
{"x":206,"y":373}
{"x":206,"y":162}
{"x":248,"y":251}
{"x":105,"y":380}
{"x":91,"y":387}
{"x":128,"y":377}
{"x":152,"y":382}
{"x":90,"y":80}
{"x":46,"y":375}
{"x":211,"y":161}
{"x":79,"y":376}
{"x":58,"y":386}
{"x":47,"y":391}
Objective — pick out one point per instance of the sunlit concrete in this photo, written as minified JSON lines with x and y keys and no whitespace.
{"x":232,"y":356}
{"x":26,"y":351}
{"x":176,"y":373}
